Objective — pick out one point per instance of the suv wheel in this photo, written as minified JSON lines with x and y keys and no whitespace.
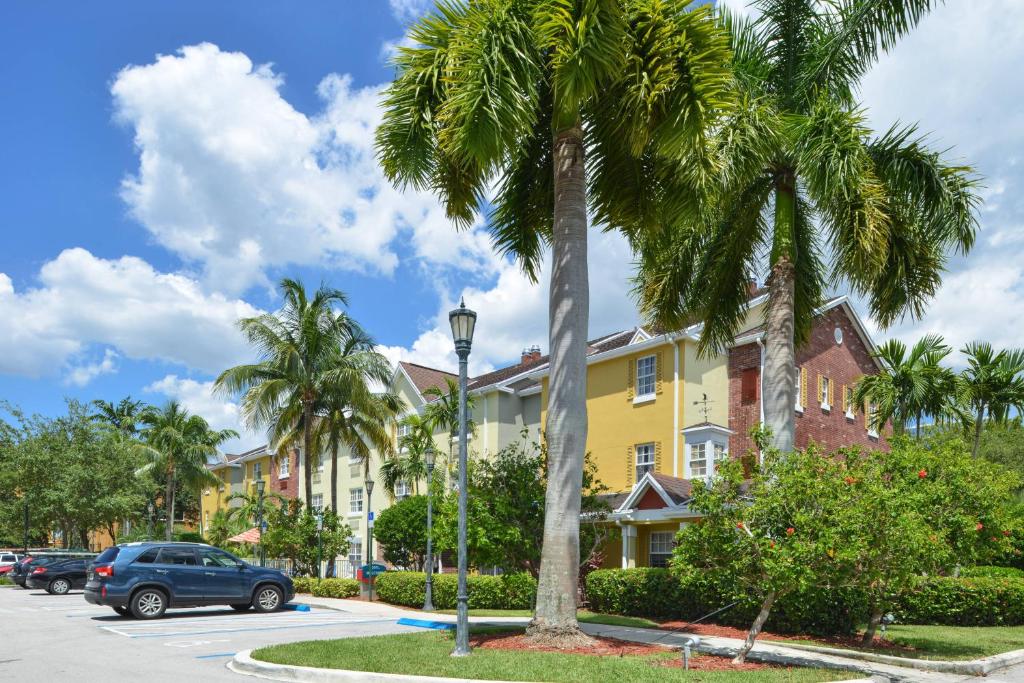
{"x":149,"y":603}
{"x":59,"y":587}
{"x":268,"y":599}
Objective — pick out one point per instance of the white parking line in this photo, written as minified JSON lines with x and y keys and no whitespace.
{"x":213,"y":626}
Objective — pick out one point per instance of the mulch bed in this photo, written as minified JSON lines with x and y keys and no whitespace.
{"x":850,"y":642}
{"x":611,"y":647}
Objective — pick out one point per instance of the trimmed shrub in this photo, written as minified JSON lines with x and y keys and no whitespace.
{"x":993,"y":572}
{"x":327,"y":588}
{"x":508,"y":591}
{"x":963,"y":602}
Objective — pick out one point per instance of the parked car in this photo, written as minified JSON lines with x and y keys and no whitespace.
{"x":144,"y":579}
{"x":20,"y":572}
{"x":59,"y":577}
{"x":7,"y":562}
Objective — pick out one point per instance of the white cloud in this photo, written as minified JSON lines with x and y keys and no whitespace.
{"x":80,"y":375}
{"x":408,"y":10}
{"x":199,"y":399}
{"x":122,"y":303}
{"x":232,"y":177}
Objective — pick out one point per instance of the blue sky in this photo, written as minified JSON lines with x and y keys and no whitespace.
{"x":165,"y":163}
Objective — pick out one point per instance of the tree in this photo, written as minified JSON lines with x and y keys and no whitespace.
{"x":296,"y":348}
{"x":248,"y":511}
{"x":408,"y":463}
{"x":178,"y":444}
{"x":909,"y":385}
{"x":223,"y":526}
{"x":292,"y":534}
{"x":783,"y":530}
{"x":566,"y":102}
{"x":992,"y":384}
{"x":401,"y":529}
{"x":800,"y":174}
{"x":123,"y":417}
{"x":442,"y":413}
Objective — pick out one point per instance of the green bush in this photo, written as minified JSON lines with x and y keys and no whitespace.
{"x":963,"y":602}
{"x":656,"y":593}
{"x":508,"y":591}
{"x":993,"y":572}
{"x":327,"y":588}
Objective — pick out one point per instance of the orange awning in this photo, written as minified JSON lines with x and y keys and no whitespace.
{"x":250,"y":536}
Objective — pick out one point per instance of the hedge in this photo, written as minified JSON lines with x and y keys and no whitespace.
{"x":508,"y":591}
{"x":652,"y":592}
{"x":993,"y":572}
{"x":327,"y":588}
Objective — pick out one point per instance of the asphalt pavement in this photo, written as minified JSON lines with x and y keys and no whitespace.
{"x":64,"y":638}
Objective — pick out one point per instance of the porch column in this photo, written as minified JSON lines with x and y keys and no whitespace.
{"x":628,"y":546}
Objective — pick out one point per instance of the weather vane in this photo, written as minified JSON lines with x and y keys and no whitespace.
{"x":705,"y":406}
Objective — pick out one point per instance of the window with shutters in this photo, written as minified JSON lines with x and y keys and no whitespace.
{"x":872,"y":416}
{"x":646,"y":375}
{"x":825,"y":392}
{"x":799,"y":389}
{"x":698,"y":460}
{"x":284,"y":463}
{"x":644,"y":459}
{"x":661,"y":545}
{"x":749,"y":385}
{"x":848,"y":402}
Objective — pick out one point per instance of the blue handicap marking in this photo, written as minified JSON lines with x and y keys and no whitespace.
{"x":426,"y":623}
{"x":296,"y":607}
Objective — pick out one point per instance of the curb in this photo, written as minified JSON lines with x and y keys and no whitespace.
{"x":969,"y":667}
{"x":244,"y":664}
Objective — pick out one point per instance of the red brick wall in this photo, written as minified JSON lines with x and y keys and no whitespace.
{"x":289,"y":486}
{"x":842,"y":363}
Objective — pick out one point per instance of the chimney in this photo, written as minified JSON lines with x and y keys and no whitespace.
{"x":531,"y":354}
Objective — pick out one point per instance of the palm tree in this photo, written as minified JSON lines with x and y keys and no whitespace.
{"x":409,"y":462}
{"x":123,"y":417}
{"x":909,"y":385}
{"x":565,"y":102}
{"x":801,"y":176}
{"x":992,"y":382}
{"x":249,"y":509}
{"x":442,"y":413}
{"x":178,"y":444}
{"x":296,"y":347}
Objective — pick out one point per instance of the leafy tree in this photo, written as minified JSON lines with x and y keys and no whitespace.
{"x":992,"y":384}
{"x":223,"y":526}
{"x":783,"y":530}
{"x":123,"y":417}
{"x":566,"y":102}
{"x":292,"y":534}
{"x":909,"y":385}
{"x":800,"y":175}
{"x":178,"y":444}
{"x":401,"y":529}
{"x":507,"y":495}
{"x":297,"y":347}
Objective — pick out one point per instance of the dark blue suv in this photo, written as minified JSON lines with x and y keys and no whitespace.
{"x":144,"y":579}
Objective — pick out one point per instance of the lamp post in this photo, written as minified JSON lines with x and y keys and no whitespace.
{"x":428,"y":603}
{"x":26,"y":524}
{"x":319,"y":542}
{"x":150,"y":510}
{"x":369,"y":535}
{"x":463,"y":322}
{"x":259,"y":518}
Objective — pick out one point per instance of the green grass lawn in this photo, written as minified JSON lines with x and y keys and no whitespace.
{"x":950,"y":642}
{"x":429,"y":654}
{"x":584,"y":616}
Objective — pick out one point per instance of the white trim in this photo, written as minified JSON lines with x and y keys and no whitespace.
{"x":662,"y":515}
{"x":646,"y":398}
{"x":652,"y":343}
{"x":638,"y":489}
{"x":640,"y":336}
{"x":675,"y":409}
{"x":530,"y":391}
{"x":710,"y":426}
{"x":760,"y":380}
{"x":850,"y":415}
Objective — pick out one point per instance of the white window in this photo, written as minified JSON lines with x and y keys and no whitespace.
{"x":403,"y":430}
{"x":825,"y":392}
{"x":206,"y":520}
{"x":699,"y":460}
{"x":661,"y":546}
{"x":403,"y":489}
{"x":848,"y":391}
{"x":355,"y":500}
{"x":355,"y":553}
{"x":318,"y":501}
{"x":283,"y":466}
{"x":644,"y":459}
{"x":720,"y":454}
{"x":872,"y":416}
{"x":646,"y":369}
{"x":799,"y":384}
{"x":353,"y":458}
{"x":257,"y":470}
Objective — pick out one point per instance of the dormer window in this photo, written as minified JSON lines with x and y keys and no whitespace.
{"x":707,"y":447}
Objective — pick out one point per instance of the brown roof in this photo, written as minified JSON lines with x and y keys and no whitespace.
{"x":679,"y":490}
{"x":425,"y":378}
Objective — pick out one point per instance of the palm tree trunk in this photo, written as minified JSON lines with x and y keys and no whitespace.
{"x":780,"y":355}
{"x":307,"y":447}
{"x":566,"y":428}
{"x":169,"y":504}
{"x":334,"y":477}
{"x":977,"y":430}
{"x":755,"y":629}
{"x":917,"y":426}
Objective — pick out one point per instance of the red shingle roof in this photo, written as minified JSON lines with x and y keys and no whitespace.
{"x":425,"y":378}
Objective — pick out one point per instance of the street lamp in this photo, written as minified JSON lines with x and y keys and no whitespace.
{"x":260,"y":484}
{"x":319,"y":541}
{"x":26,"y":524}
{"x":369,"y":536}
{"x":151,"y":511}
{"x":428,"y":457}
{"x":463,"y":322}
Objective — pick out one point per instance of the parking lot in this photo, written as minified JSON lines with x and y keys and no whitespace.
{"x":66,"y":638}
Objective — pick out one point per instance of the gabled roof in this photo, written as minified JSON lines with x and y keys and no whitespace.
{"x":673,"y":490}
{"x":423,"y":378}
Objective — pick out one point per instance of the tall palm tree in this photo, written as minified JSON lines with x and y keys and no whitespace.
{"x":179,"y":444}
{"x":409,"y":462}
{"x":296,"y":347}
{"x":909,"y":386}
{"x":565,"y":101}
{"x":992,"y":383}
{"x":123,"y":417}
{"x":248,"y":511}
{"x":442,"y":413}
{"x":808,"y":190}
